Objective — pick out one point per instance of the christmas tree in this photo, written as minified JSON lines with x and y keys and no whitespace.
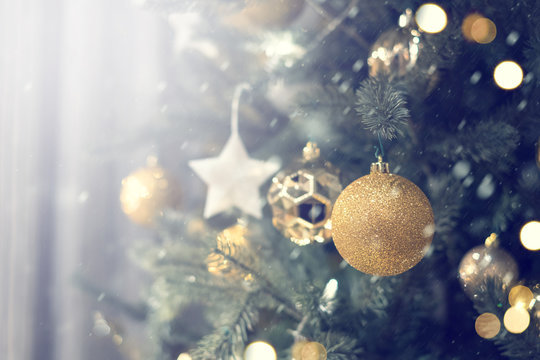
{"x":242,"y":206}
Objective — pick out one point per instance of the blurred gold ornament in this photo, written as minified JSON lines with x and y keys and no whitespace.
{"x":302,"y":200}
{"x":487,"y":325}
{"x":148,"y":191}
{"x":382,"y":223}
{"x":267,"y":14}
{"x":483,"y":262}
{"x":396,"y":55}
{"x":231,"y":243}
{"x":520,"y":296}
{"x":313,"y":351}
{"x":296,"y":350}
{"x":308,"y":350}
{"x":516,"y":319}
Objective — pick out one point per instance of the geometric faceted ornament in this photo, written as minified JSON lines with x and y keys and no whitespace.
{"x":302,"y":202}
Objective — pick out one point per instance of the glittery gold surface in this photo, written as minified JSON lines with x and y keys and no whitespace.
{"x":484,"y":262}
{"x":382,"y":224}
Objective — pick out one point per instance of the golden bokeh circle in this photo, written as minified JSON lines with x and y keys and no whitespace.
{"x":520,"y":296}
{"x":483,"y":30}
{"x":487,"y":325}
{"x":516,"y":319}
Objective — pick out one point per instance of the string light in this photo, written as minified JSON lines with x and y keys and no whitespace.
{"x":508,"y":75}
{"x":260,"y":350}
{"x":530,"y":235}
{"x":431,"y":18}
{"x":516,"y":319}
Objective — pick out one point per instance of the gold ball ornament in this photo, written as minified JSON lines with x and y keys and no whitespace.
{"x":483,"y":262}
{"x":397,"y":55}
{"x":265,"y":14}
{"x":382,"y":223}
{"x":302,"y":200}
{"x":148,"y":191}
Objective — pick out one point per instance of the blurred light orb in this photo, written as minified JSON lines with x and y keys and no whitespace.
{"x":487,"y":325}
{"x":516,"y":319}
{"x":431,"y":18}
{"x":483,"y":31}
{"x":478,"y":28}
{"x":260,"y":350}
{"x":184,"y":356}
{"x":530,"y":235}
{"x":508,"y":75}
{"x":520,"y":296}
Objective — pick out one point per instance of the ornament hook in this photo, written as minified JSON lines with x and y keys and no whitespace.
{"x":236,"y":104}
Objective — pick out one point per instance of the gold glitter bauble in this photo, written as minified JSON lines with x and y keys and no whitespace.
{"x":487,"y":325}
{"x":148,"y":191}
{"x":302,"y":200}
{"x":483,"y":262}
{"x":382,"y":223}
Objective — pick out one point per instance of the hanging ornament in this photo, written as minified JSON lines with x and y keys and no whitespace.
{"x":233,"y":178}
{"x":231,"y":244}
{"x":302,"y":199}
{"x":265,"y":15}
{"x":148,"y":191}
{"x":483,"y":262}
{"x":396,"y":54}
{"x":382,"y":223}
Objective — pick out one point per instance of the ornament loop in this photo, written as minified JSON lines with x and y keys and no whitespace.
{"x":236,"y":104}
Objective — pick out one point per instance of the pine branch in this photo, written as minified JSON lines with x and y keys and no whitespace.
{"x":230,"y":334}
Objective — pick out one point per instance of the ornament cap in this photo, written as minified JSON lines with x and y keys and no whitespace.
{"x":380,"y":167}
{"x":311,"y":152}
{"x":492,"y":240}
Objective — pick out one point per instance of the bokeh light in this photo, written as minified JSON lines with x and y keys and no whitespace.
{"x":508,"y":75}
{"x":184,"y":356}
{"x":431,"y":18}
{"x":478,"y":28}
{"x":530,"y":236}
{"x":487,"y":325}
{"x":516,"y":319}
{"x":483,"y":31}
{"x":260,"y":350}
{"x":520,"y":296}
{"x":313,"y":351}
